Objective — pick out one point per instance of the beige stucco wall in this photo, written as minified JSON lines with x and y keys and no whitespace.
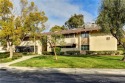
{"x":48,"y":47}
{"x":31,"y":43}
{"x":102,"y":43}
{"x":39,"y":47}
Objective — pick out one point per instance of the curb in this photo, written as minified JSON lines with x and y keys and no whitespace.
{"x":65,"y":70}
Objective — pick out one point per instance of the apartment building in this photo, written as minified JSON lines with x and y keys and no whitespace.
{"x":85,"y":39}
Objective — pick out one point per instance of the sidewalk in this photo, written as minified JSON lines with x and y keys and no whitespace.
{"x":6,"y":66}
{"x":66,"y":70}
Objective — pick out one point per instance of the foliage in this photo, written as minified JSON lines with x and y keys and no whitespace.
{"x":112,"y":19}
{"x":27,"y":53}
{"x":57,"y":28}
{"x":73,"y":52}
{"x":46,"y":53}
{"x":54,"y":40}
{"x":84,"y":61}
{"x":17,"y":55}
{"x":15,"y":28}
{"x":34,"y":21}
{"x":75,"y":21}
{"x":4,"y":57}
{"x":58,"y":50}
{"x":62,"y":53}
{"x":105,"y":52}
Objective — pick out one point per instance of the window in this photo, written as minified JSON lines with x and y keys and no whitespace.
{"x":85,"y":35}
{"x":84,"y":47}
{"x":69,"y":35}
{"x":107,"y":38}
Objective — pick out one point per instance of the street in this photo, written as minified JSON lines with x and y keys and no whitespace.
{"x":37,"y":77}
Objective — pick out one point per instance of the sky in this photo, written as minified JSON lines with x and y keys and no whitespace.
{"x":59,"y":11}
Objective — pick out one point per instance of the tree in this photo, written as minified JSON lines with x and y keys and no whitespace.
{"x":112,"y":19}
{"x":57,"y":28}
{"x":13,"y":29}
{"x":55,"y":39}
{"x":32,"y":21}
{"x":75,"y":21}
{"x":7,"y":23}
{"x":36,"y":22}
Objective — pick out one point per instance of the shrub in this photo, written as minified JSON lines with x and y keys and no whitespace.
{"x":46,"y":53}
{"x":27,"y":53}
{"x":104,"y":52}
{"x":17,"y":55}
{"x":73,"y":52}
{"x":58,"y":50}
{"x":4,"y":55}
{"x":119,"y":52}
{"x":62,"y":53}
{"x":24,"y":53}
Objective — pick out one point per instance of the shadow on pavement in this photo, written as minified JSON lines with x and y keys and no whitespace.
{"x":39,"y":77}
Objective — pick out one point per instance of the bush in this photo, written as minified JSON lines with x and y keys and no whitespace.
{"x":27,"y":53}
{"x":17,"y":55}
{"x":58,"y":50}
{"x":119,"y":52}
{"x":7,"y":54}
{"x":24,"y":53}
{"x":4,"y":55}
{"x":47,"y":53}
{"x":73,"y":52}
{"x":62,"y":53}
{"x":105,"y":52}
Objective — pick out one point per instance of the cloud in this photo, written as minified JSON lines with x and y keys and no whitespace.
{"x":59,"y":11}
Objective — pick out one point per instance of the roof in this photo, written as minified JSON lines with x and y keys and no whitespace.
{"x":76,"y":30}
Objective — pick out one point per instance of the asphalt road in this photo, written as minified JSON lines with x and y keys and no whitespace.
{"x":37,"y":77}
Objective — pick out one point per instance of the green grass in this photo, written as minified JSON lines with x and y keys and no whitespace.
{"x":74,"y":62}
{"x":4,"y":60}
{"x":4,"y":57}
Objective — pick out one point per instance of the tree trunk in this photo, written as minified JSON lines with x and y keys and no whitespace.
{"x":11,"y":52}
{"x":34,"y":45}
{"x":123,"y":59}
{"x":119,"y":42}
{"x":8,"y":47}
{"x":55,"y":53}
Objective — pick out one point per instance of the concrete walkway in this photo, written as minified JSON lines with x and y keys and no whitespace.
{"x":58,"y":70}
{"x":66,"y":70}
{"x":16,"y":61}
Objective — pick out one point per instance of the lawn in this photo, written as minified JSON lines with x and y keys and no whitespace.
{"x":4,"y":57}
{"x":74,"y":62}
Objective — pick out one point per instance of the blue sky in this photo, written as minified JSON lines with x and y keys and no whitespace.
{"x":59,"y":11}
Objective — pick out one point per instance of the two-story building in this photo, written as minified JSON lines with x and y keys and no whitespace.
{"x":85,"y":39}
